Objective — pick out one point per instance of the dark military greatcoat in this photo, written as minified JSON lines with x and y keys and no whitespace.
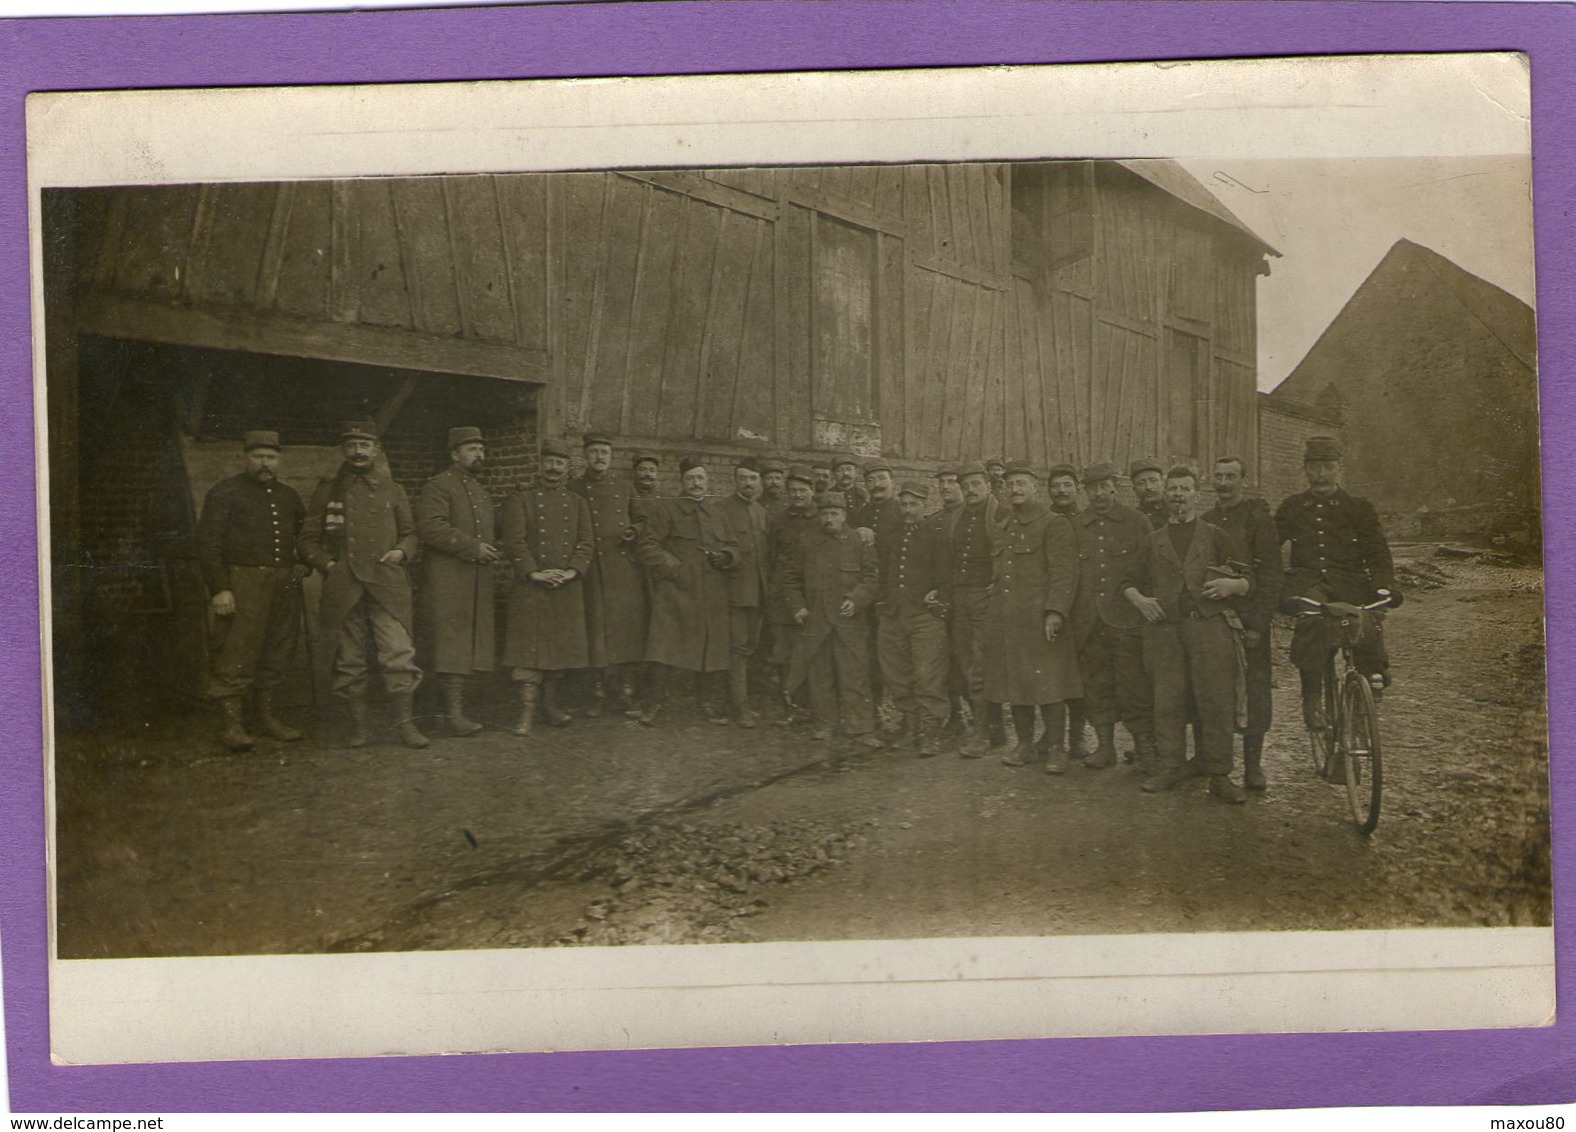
{"x":354,"y":520}
{"x":546,"y":528}
{"x":454,"y":517}
{"x":690,"y":620}
{"x":826,"y":571}
{"x":615,"y":588}
{"x":1036,"y":573}
{"x":785,"y":535}
{"x":1249,"y":524}
{"x":1107,"y":546}
{"x":746,"y":523}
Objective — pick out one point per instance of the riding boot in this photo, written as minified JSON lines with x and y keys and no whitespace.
{"x":552,"y":714}
{"x":739,"y":693}
{"x":1022,"y":723}
{"x":523,"y":726}
{"x":405,"y":720}
{"x":1055,"y":717}
{"x":1105,"y":750}
{"x":359,"y":734}
{"x":235,"y":735}
{"x":270,"y":724}
{"x":1252,"y":757}
{"x":453,"y":686}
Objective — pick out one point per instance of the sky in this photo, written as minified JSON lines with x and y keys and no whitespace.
{"x":1333,"y":220}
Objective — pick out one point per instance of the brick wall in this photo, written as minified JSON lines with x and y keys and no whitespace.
{"x":1284,"y":428}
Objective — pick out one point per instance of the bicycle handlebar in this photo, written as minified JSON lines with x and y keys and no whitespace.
{"x":1320,"y":608}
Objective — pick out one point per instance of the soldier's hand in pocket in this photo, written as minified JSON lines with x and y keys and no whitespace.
{"x":395,"y":557}
{"x":224,"y":604}
{"x":847,"y":608}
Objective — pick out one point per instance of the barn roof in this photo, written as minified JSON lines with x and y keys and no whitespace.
{"x":1168,"y":175}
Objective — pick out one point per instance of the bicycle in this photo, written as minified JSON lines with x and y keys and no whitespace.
{"x":1348,"y":748}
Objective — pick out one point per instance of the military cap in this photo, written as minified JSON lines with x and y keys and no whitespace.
{"x":996,"y":462}
{"x":841,"y":460}
{"x":1020,"y":468}
{"x":591,"y":438}
{"x":881,"y":465}
{"x":1179,"y":470}
{"x":555,"y":448}
{"x":748,"y":463}
{"x":917,"y":488}
{"x":971,"y":469}
{"x":1144,"y":464}
{"x":464,"y":435}
{"x":831,"y":499}
{"x":1062,"y":470}
{"x":819,"y":464}
{"x":1099,"y":473}
{"x":801,"y":473}
{"x":942,"y":473}
{"x":772,"y":464}
{"x":1322,"y":448}
{"x":259,"y":438}
{"x":643,"y":457}
{"x":358,"y":430}
{"x":688,"y":463}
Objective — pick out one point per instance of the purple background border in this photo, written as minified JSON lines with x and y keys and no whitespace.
{"x":1131,"y":1074}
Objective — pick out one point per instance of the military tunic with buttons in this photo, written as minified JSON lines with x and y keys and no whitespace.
{"x":745,"y":521}
{"x":1249,"y":523}
{"x":690,"y":615}
{"x":246,"y":544}
{"x":1337,"y":547}
{"x":615,"y":588}
{"x":454,"y":517}
{"x":1036,"y":573}
{"x":546,"y":528}
{"x":911,"y":637}
{"x":1107,"y":629}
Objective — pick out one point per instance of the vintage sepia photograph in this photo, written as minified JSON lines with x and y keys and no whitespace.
{"x":631,"y":557}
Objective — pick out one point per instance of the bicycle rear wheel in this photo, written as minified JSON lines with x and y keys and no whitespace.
{"x":1359,"y":743}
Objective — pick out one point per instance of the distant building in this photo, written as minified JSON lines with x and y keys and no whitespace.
{"x":1434,"y":372}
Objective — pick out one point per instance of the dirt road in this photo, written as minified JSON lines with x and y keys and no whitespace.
{"x":758,"y":836}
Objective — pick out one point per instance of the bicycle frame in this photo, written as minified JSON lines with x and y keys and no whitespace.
{"x":1349,"y":748}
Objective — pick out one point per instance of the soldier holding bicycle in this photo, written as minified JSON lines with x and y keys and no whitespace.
{"x":1338,"y":554}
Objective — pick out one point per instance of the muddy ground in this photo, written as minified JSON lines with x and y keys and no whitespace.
{"x":610,"y":833}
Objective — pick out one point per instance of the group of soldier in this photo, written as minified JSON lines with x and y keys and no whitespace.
{"x":990,"y":617}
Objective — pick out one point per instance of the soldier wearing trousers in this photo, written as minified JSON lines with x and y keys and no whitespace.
{"x":745,"y":521}
{"x":1106,"y":626}
{"x":911,"y":610}
{"x":246,"y":547}
{"x":615,"y":583}
{"x":547,"y":536}
{"x":454,"y":520}
{"x":1061,"y":493}
{"x":973,"y":565}
{"x":785,"y":534}
{"x":1182,"y":583}
{"x":1148,"y":478}
{"x":1249,"y":524}
{"x":360,"y":534}
{"x":1029,"y":658}
{"x":831,"y":582}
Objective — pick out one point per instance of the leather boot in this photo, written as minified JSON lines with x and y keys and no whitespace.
{"x":526,"y":723}
{"x":1105,"y":749}
{"x":739,"y":694}
{"x":1023,"y":723}
{"x":1051,"y":743}
{"x":976,"y":744}
{"x":270,"y":724}
{"x":552,"y":714}
{"x":235,"y":736}
{"x":598,"y":698}
{"x":1077,"y":729}
{"x":1145,"y":758}
{"x":928,"y":741}
{"x":454,"y":706}
{"x":996,"y":727}
{"x":405,"y":720}
{"x":1252,"y":760}
{"x":359,"y":734}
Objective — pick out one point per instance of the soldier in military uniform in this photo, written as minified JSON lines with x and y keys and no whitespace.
{"x":823,"y":476}
{"x":360,"y":534}
{"x":845,"y":478}
{"x":830,"y":583}
{"x":1148,"y":478}
{"x":246,"y":547}
{"x":615,"y":583}
{"x":745,"y":521}
{"x":1061,"y":493}
{"x":912,"y":604}
{"x":949,"y":491}
{"x":785,"y":534}
{"x":547,"y":535}
{"x":774,"y":486}
{"x":1338,"y":553}
{"x":454,"y":520}
{"x":1107,"y":628}
{"x":969,"y":534}
{"x":647,"y":471}
{"x":1029,"y":657}
{"x":1248,"y":522}
{"x":879,"y":510}
{"x":685,"y":547}
{"x":1183,"y":583}
{"x":996,"y":469}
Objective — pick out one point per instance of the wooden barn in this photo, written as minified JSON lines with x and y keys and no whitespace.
{"x":1075,"y":310}
{"x":1435,"y":371}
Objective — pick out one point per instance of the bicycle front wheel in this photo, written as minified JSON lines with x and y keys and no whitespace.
{"x":1359,"y":743}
